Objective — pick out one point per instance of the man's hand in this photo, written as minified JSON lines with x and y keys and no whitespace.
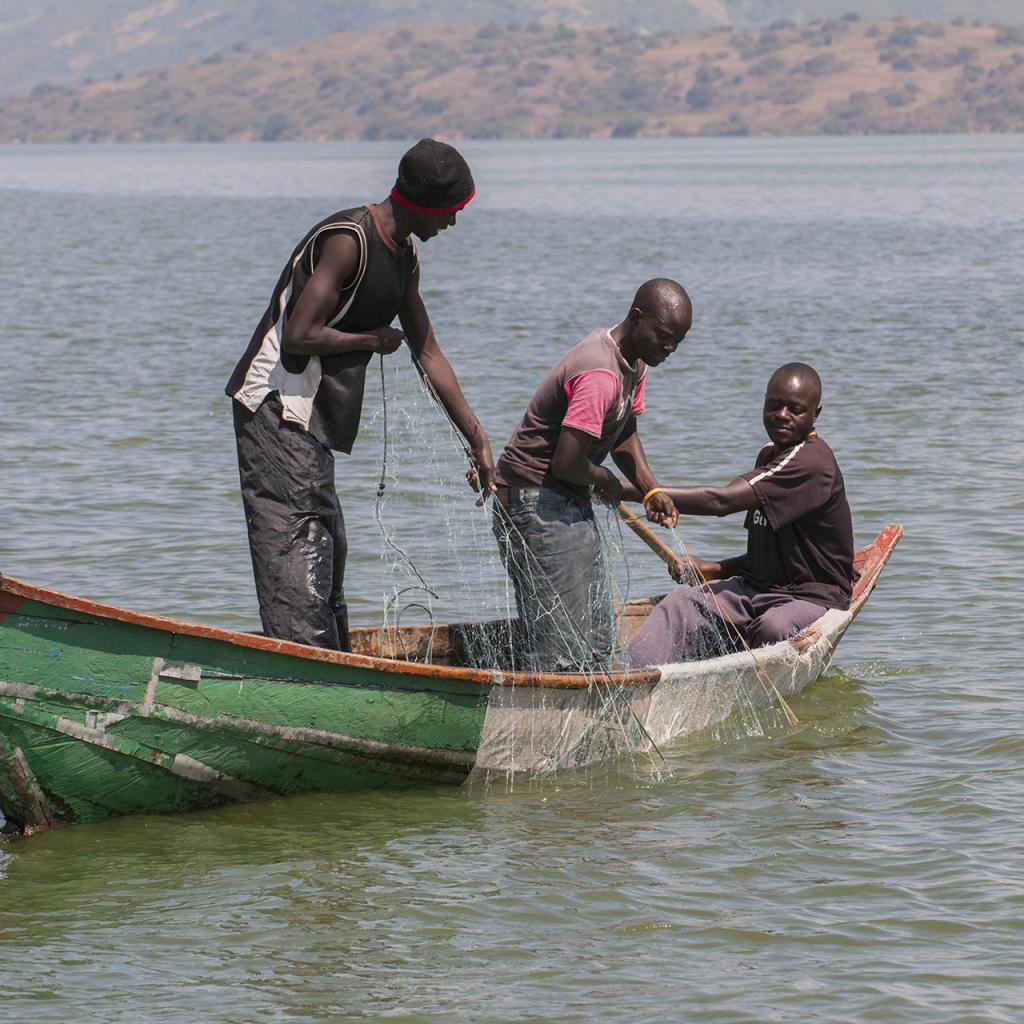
{"x":485,"y":473}
{"x":661,"y":509}
{"x":682,"y":573}
{"x":610,"y":488}
{"x":693,"y":571}
{"x":481,"y":471}
{"x":386,"y":340}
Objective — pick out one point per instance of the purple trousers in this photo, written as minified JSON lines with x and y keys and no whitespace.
{"x":687,"y":625}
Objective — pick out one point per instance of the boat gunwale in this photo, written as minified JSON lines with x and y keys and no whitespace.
{"x":881,"y":547}
{"x":166,"y":624}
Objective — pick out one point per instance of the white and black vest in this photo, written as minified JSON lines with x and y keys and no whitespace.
{"x":324,"y":394}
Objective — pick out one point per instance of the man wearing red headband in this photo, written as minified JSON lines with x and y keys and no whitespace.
{"x":298,"y":390}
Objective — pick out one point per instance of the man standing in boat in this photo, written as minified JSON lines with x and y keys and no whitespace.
{"x":298,"y":389}
{"x":585,"y":408}
{"x":799,"y":558}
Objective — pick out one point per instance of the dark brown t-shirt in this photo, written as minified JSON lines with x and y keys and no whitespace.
{"x":800,"y":539}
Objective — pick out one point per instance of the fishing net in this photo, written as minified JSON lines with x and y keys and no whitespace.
{"x":451,"y":570}
{"x":448,"y":560}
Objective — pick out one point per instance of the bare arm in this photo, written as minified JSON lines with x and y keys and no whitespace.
{"x":306,"y":331}
{"x":737,"y":496}
{"x":420,"y":337}
{"x":571,"y":464}
{"x":720,"y":570}
{"x":630,"y":457}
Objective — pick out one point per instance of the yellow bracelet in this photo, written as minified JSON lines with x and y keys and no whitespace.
{"x":653,"y":490}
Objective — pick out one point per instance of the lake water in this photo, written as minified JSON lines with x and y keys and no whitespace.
{"x":865,"y":865}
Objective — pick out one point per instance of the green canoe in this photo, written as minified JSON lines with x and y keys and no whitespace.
{"x":105,"y":711}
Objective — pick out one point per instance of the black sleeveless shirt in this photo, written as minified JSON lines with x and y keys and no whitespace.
{"x":372,"y":298}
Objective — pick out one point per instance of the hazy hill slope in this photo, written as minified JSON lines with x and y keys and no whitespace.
{"x":66,"y":41}
{"x":462,"y":80}
{"x":756,"y":13}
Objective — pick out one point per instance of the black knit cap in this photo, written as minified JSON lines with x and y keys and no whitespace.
{"x":433,"y":178}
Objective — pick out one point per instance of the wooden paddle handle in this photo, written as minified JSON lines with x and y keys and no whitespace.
{"x":639,"y":526}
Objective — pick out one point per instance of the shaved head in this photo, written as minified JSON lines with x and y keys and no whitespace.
{"x":665,"y":299}
{"x":657,"y":321}
{"x":802,"y":376}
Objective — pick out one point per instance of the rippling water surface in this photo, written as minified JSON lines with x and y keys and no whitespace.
{"x":865,"y":865}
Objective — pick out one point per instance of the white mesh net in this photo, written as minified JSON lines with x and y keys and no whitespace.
{"x":448,"y":561}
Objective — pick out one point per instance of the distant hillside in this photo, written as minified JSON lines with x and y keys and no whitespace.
{"x":68,"y":41}
{"x":840,"y":76}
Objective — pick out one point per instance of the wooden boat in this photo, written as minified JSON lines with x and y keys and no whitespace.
{"x":105,"y":711}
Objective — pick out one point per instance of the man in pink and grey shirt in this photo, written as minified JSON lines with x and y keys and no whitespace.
{"x":585,"y":409}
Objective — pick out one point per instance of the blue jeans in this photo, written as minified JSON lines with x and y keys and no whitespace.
{"x":552,"y":551}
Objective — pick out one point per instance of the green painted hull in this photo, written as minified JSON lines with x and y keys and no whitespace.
{"x":101,"y":717}
{"x":105,"y":711}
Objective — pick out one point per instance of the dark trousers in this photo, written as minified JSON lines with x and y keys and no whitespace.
{"x":296,"y":528}
{"x":552,"y":552}
{"x":686,"y":624}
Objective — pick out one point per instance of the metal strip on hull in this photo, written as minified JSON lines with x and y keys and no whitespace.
{"x":300,"y":745}
{"x":181,"y":765}
{"x":397,"y":752}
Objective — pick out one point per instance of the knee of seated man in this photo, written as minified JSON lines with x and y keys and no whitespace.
{"x":782,"y":622}
{"x":685,"y":600}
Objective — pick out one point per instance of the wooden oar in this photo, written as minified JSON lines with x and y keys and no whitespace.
{"x":639,"y":526}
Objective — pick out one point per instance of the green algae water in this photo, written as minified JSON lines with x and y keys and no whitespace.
{"x":864,"y":865}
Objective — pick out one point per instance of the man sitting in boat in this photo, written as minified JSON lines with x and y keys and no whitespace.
{"x":799,"y":558}
{"x":585,"y":408}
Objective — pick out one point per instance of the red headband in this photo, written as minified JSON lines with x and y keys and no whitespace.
{"x":429,"y":209}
